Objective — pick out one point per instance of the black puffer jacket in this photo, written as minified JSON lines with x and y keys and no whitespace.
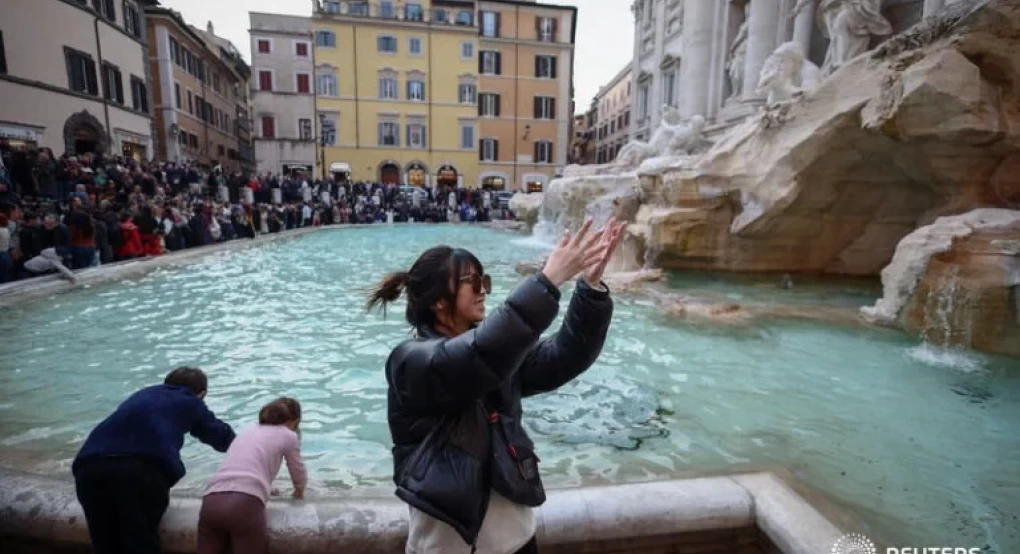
{"x":455,"y":403}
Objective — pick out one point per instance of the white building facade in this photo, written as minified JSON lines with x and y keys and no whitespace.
{"x":74,"y":77}
{"x":284,"y":46}
{"x":704,"y":57}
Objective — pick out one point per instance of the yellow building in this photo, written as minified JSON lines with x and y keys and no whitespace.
{"x":396,"y":90}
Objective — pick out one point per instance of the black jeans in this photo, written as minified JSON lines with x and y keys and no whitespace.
{"x":124,"y":499}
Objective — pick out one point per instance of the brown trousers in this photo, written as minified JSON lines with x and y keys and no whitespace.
{"x":232,"y":522}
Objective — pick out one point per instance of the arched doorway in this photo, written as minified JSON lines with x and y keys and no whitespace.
{"x":447,"y":176}
{"x":417,"y":174}
{"x":84,"y":133}
{"x":389,"y":173}
{"x":493,"y":181}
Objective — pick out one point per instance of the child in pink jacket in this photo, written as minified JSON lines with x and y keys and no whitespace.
{"x":233,"y":514}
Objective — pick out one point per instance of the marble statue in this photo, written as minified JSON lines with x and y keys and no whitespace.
{"x":786,"y":74}
{"x":849,"y":26}
{"x":738,"y":57}
{"x":672,"y":138}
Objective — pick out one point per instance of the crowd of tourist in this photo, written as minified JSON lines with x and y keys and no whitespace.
{"x":73,"y":212}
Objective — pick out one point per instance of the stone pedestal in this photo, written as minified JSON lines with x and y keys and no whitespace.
{"x":761,"y":41}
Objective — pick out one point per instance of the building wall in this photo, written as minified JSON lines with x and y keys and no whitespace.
{"x":163,"y":26}
{"x":358,"y":110}
{"x":284,"y":103}
{"x":516,"y":128}
{"x":612,"y":116}
{"x":37,"y":100}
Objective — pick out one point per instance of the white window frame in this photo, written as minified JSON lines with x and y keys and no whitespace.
{"x":396,"y":44}
{"x":490,"y":155}
{"x":411,"y":97}
{"x":546,"y":107}
{"x":382,"y":89}
{"x":469,"y":144}
{"x":484,"y":104}
{"x":308,"y":45}
{"x":473,"y":94}
{"x":336,"y":85}
{"x":669,"y":88}
{"x":421,"y":143}
{"x":311,"y":128}
{"x":546,"y":35}
{"x":481,"y":24}
{"x":311,"y":84}
{"x":421,"y":46}
{"x":547,"y":146}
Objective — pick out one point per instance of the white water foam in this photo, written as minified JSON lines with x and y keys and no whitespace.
{"x":945,"y":357}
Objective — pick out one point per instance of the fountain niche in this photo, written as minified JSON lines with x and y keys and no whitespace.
{"x":840,"y":179}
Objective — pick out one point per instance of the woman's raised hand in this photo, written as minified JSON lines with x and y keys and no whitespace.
{"x":611,"y":235}
{"x":574,"y":254}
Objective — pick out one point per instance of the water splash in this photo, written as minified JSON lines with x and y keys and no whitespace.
{"x":945,"y":357}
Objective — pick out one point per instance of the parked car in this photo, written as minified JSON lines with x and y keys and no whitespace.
{"x":502,"y":200}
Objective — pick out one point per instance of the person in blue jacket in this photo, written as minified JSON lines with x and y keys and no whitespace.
{"x":124,"y":471}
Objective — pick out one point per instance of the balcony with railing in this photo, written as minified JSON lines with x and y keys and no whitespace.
{"x":407,"y":12}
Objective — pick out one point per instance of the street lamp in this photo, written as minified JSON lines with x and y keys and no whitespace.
{"x":322,"y":144}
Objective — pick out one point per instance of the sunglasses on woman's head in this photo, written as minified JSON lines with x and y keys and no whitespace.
{"x":479,"y":282}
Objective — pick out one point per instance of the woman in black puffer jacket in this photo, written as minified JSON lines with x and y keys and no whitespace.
{"x":461,"y":458}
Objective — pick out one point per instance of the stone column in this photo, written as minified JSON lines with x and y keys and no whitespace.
{"x":804,"y":28}
{"x":761,"y":41}
{"x":699,"y":17}
{"x":932,"y":6}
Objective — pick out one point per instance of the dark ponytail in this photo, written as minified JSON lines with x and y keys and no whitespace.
{"x":431,"y":279}
{"x":388,"y":290}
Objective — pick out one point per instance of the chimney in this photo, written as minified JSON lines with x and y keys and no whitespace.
{"x":209,"y":28}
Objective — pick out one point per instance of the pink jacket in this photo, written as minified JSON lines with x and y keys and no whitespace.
{"x":254,"y":459}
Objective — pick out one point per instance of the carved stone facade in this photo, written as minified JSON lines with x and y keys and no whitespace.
{"x":705,"y":57}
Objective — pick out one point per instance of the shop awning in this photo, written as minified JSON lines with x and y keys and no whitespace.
{"x":339,"y":167}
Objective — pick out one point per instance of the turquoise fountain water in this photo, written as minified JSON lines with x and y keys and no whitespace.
{"x":920,"y":444}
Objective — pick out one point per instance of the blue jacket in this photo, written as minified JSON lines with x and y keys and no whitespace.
{"x":150,"y":425}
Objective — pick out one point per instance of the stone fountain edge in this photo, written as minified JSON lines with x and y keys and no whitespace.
{"x":45,"y":510}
